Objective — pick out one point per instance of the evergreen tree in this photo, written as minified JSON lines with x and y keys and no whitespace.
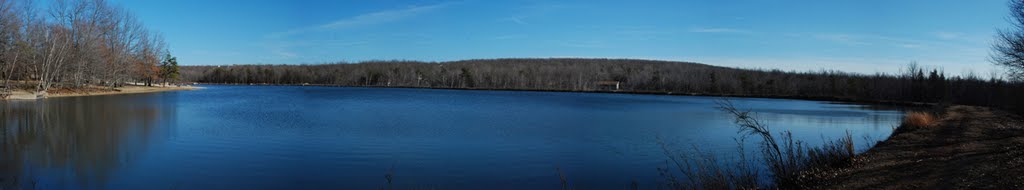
{"x":169,"y":70}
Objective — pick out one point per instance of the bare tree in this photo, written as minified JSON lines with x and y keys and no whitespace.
{"x":73,"y":44}
{"x":1008,"y":50}
{"x":10,"y":36}
{"x":56,"y":41}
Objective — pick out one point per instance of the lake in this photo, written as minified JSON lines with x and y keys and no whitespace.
{"x":294,"y":137}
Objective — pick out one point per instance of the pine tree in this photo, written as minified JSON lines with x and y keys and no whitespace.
{"x":169,"y":70}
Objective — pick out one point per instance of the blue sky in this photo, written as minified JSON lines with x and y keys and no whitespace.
{"x":858,"y":36}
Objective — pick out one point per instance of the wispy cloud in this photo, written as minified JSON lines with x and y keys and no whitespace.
{"x":367,"y":19}
{"x":205,"y":52}
{"x":842,"y":38}
{"x":955,"y":64}
{"x":866,"y":40}
{"x":808,"y":63}
{"x":289,"y":49}
{"x":643,"y":33}
{"x":381,"y":17}
{"x":951,"y":55}
{"x":947,"y":35}
{"x":717,"y":30}
{"x":909,"y":45}
{"x":585,"y":44}
{"x":517,"y":20}
{"x":523,"y":15}
{"x":945,"y":40}
{"x":281,"y":46}
{"x":789,"y":63}
{"x":279,"y":49}
{"x":509,"y":37}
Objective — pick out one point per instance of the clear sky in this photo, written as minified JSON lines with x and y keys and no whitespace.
{"x":860,"y":36}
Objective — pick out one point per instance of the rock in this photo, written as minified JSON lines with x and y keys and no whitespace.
{"x":40,"y":94}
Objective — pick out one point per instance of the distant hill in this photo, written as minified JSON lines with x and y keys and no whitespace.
{"x":623,"y":75}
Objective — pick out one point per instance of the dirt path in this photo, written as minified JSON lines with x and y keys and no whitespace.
{"x":969,"y":148}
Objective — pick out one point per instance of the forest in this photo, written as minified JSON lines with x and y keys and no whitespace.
{"x":77,"y":43}
{"x":913,"y":83}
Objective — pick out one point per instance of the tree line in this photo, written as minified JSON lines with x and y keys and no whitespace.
{"x":75,"y":43}
{"x":914,"y":83}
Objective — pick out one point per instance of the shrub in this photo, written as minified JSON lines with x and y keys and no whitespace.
{"x":918,"y":119}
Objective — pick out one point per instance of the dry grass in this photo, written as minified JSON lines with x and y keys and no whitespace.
{"x":790,"y":163}
{"x":918,"y":119}
{"x":81,"y":90}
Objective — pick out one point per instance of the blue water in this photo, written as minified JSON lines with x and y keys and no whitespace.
{"x":278,"y":137}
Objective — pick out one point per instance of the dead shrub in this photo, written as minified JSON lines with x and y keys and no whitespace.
{"x":918,"y":119}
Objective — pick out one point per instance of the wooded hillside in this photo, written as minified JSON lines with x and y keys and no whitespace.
{"x":913,"y":84}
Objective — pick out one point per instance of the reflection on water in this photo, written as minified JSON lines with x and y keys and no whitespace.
{"x":76,"y":141}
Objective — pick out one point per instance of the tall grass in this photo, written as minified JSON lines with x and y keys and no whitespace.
{"x":703,"y":170}
{"x":563,"y":180}
{"x":790,"y":163}
{"x":918,"y":119}
{"x":915,"y":120}
{"x":389,"y":178}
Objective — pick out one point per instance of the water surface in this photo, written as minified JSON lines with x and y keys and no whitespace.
{"x":277,"y":137}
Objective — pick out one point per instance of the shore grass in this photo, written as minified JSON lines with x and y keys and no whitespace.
{"x":915,"y":120}
{"x":918,"y":119}
{"x":789,"y":163}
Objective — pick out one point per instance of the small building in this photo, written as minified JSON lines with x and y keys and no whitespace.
{"x":608,"y":85}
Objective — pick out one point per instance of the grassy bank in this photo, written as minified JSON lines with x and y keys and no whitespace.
{"x":965,"y":147}
{"x":959,"y":147}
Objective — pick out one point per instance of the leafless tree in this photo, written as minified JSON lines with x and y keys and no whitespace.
{"x":10,"y":34}
{"x":1008,"y":49}
{"x":75,"y":43}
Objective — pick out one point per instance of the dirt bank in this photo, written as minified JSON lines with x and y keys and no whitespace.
{"x":95,"y":91}
{"x":968,"y":148}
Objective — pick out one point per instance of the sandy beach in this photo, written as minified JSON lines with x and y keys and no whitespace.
{"x":96,"y":91}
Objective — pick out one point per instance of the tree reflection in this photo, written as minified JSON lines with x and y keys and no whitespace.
{"x":76,"y":141}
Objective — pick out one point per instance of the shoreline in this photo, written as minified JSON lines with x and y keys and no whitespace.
{"x":663,"y":93}
{"x":131,"y":89}
{"x":969,"y":147}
